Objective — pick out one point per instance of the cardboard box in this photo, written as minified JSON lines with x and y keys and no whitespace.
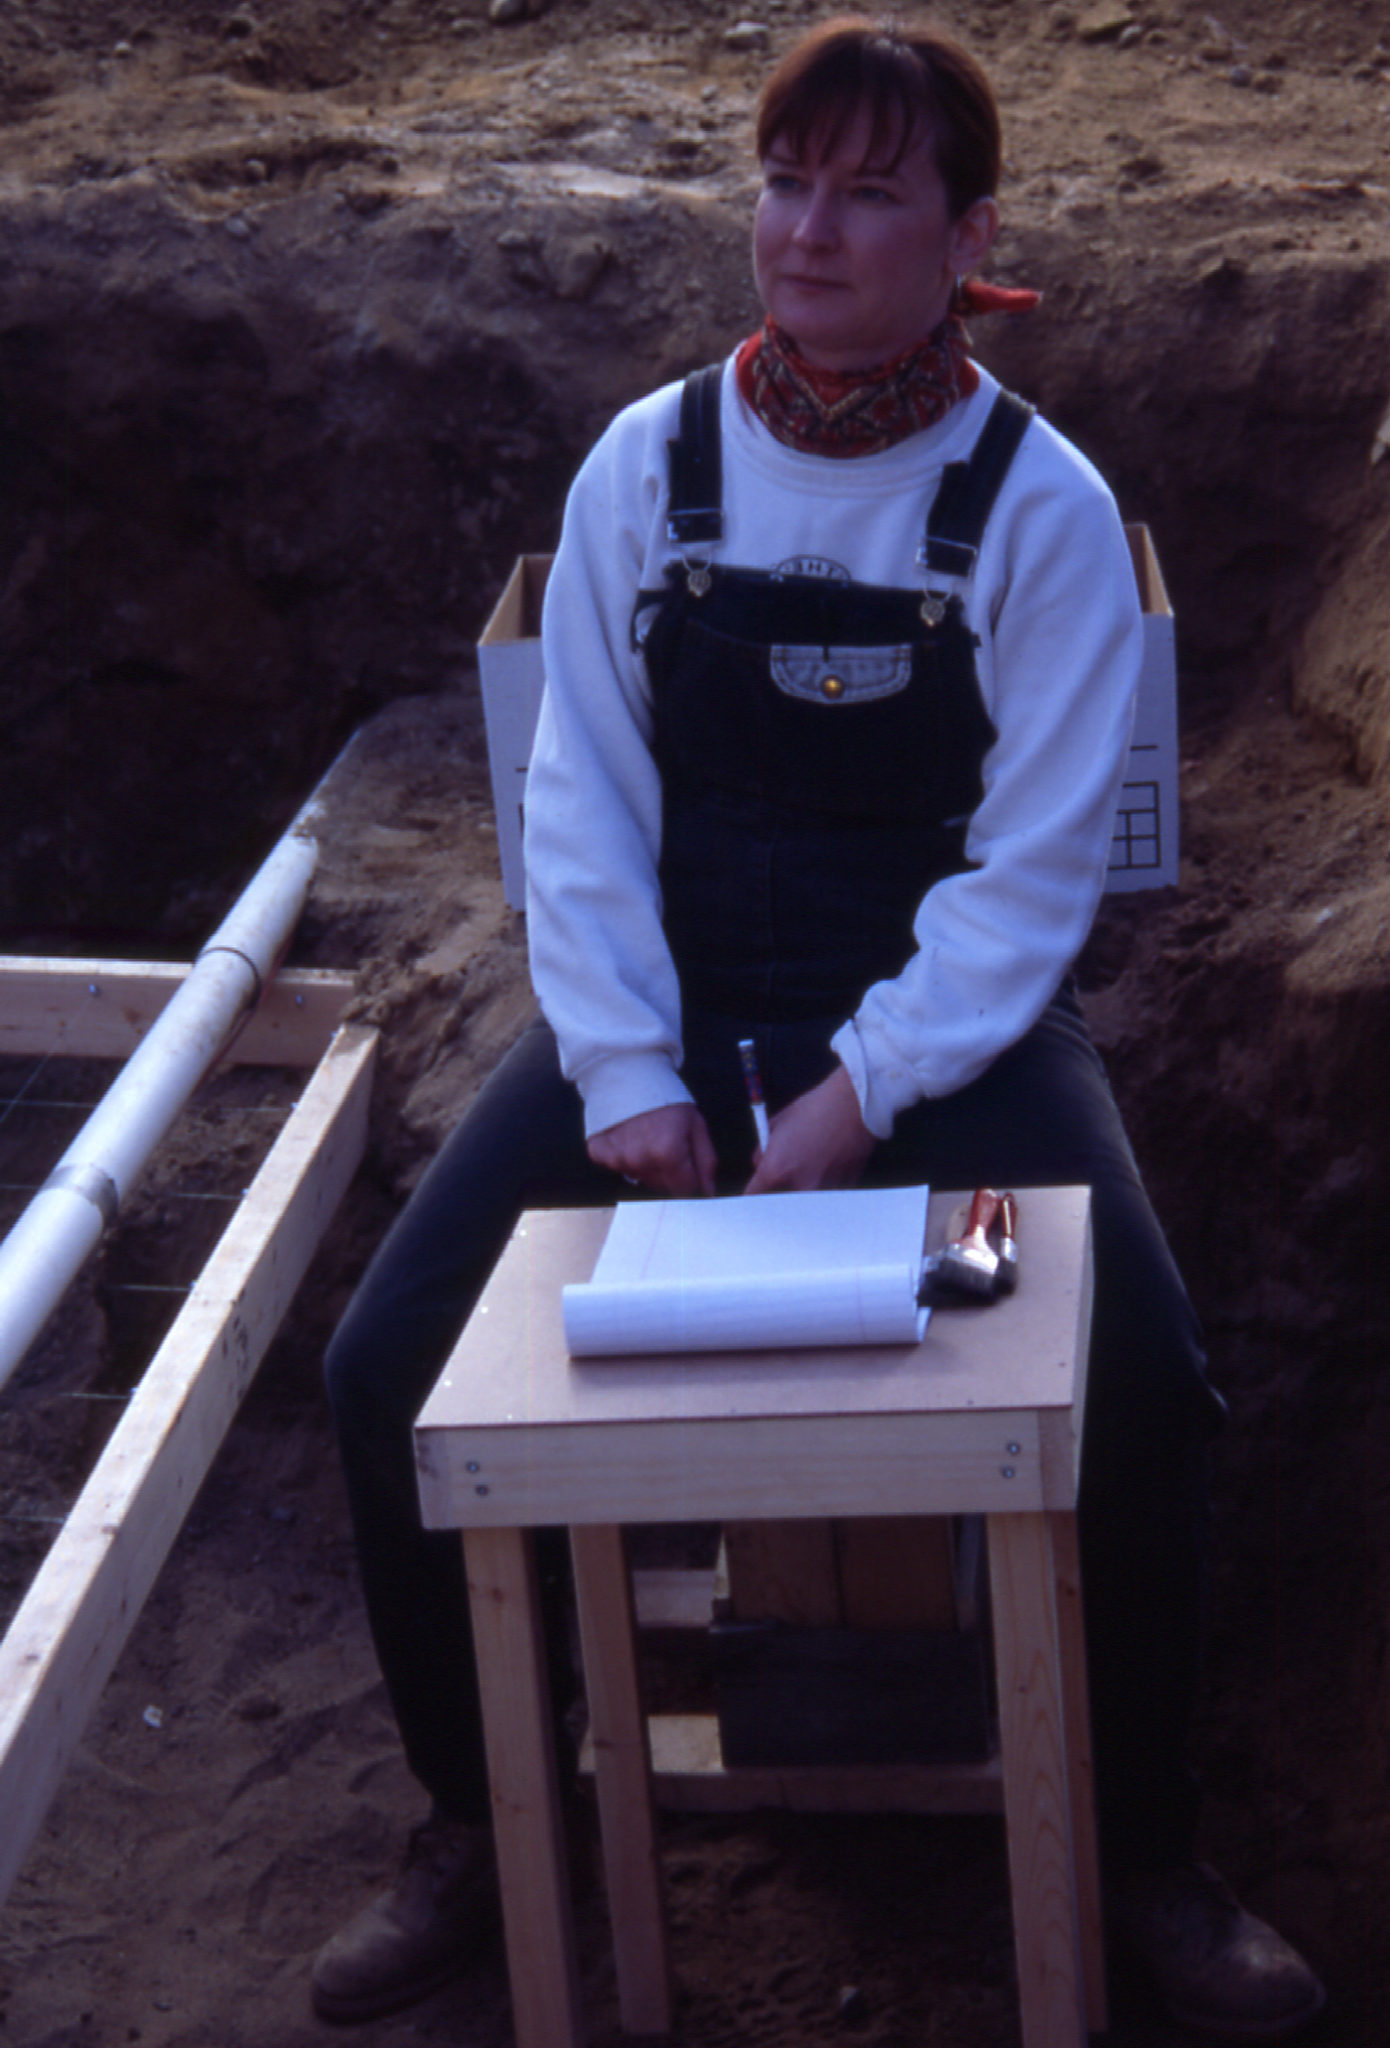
{"x":509,"y":662}
{"x":1144,"y":853}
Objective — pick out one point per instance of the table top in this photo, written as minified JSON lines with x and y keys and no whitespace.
{"x":988,"y":1405}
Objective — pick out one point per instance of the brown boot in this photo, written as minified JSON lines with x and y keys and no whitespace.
{"x":429,"y":1927}
{"x":1217,"y":1968}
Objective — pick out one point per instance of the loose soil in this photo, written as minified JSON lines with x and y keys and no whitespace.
{"x":306,"y":316}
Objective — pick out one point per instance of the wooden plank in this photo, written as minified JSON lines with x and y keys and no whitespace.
{"x":87,"y":1594}
{"x":1071,"y":1633}
{"x":101,"y":1009}
{"x":540,"y":1474}
{"x":531,"y":1864}
{"x":897,"y":1571}
{"x":622,"y":1772}
{"x":1037,"y":1796}
{"x":689,"y":1776}
{"x":294,"y":1020}
{"x":673,"y":1598}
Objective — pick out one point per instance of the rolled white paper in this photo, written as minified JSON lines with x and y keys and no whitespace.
{"x":877,"y":1305}
{"x":754,"y":1273}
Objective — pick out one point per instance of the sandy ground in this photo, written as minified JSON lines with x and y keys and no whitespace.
{"x":1206,"y":199}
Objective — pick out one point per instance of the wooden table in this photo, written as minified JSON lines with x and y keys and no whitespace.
{"x":983,"y":1418}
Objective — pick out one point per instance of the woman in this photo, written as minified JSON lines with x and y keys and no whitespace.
{"x":841,"y":647}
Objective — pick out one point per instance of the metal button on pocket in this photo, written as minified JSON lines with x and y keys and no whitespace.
{"x":841,"y":675}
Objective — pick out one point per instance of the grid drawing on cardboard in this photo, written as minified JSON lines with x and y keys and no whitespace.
{"x":1137,"y":842}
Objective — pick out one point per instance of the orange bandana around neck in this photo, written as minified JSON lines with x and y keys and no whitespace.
{"x":861,"y":412}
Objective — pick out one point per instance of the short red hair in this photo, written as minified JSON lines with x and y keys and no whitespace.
{"x":907,"y":80}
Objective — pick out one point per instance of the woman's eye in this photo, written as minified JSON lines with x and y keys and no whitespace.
{"x":876,"y":195}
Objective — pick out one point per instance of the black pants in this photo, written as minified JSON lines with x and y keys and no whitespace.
{"x":1042,"y":1115}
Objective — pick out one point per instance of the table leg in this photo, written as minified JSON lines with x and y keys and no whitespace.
{"x":531,"y":1862}
{"x":1071,"y":1633}
{"x":622,"y":1778}
{"x":1035,"y":1723}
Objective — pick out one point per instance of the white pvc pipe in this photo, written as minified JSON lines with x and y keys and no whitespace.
{"x":66,"y":1218}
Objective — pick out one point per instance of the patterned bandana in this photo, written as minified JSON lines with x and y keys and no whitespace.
{"x":860,"y":412}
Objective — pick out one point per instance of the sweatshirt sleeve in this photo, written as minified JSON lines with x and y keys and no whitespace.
{"x":1062,"y":642}
{"x":600,"y":964}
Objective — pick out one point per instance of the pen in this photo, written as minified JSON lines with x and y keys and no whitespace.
{"x":753,"y":1081}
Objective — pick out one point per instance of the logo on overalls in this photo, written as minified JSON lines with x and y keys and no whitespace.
{"x":812,"y":565}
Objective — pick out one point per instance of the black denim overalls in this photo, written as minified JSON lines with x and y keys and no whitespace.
{"x":820,"y":741}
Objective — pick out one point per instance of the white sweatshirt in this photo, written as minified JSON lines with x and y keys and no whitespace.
{"x":1054,"y":602}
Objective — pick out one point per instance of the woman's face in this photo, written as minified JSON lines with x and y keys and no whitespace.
{"x":857,"y":263}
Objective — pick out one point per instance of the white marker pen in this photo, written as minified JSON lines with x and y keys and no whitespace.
{"x":753,"y":1081}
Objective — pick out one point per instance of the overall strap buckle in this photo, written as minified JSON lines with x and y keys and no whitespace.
{"x":694,"y":512}
{"x":966,"y":495}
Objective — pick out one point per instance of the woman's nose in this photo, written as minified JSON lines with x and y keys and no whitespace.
{"x":817,"y":226}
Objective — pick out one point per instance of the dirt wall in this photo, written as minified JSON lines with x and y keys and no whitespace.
{"x":268,"y":470}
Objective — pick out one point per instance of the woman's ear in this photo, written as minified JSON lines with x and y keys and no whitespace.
{"x":973,"y":236}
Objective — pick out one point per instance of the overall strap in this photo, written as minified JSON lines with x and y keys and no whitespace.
{"x":695,"y":511}
{"x":959,"y":512}
{"x":965,"y":498}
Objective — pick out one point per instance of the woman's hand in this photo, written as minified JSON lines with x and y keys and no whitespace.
{"x":818,"y":1141}
{"x":669,"y":1150}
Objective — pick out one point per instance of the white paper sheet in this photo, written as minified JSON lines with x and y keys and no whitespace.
{"x":752,"y":1272}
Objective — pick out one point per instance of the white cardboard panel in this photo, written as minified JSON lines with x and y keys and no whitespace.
{"x":1144,"y":851}
{"x":509,"y":661}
